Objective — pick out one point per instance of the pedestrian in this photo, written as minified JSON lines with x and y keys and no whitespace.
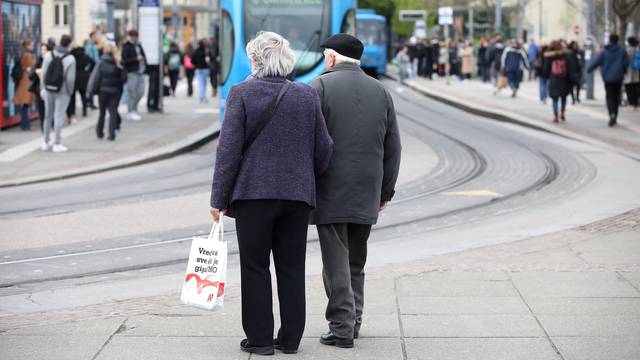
{"x":173,"y":59}
{"x":428,"y":59}
{"x":403,"y":61}
{"x":532,"y":53}
{"x":107,"y":81}
{"x":613,"y":61}
{"x":576,"y":64}
{"x":189,"y":68}
{"x":134,"y":62}
{"x":202,"y":59}
{"x":632,"y":77}
{"x":513,"y":62}
{"x":557,"y":71}
{"x":23,"y":97}
{"x":494,"y":57}
{"x":543,"y":90}
{"x":358,"y":184}
{"x":214,"y":65}
{"x":413,"y":57}
{"x":483,"y":64}
{"x":84,"y":66}
{"x":269,"y":186}
{"x":35,"y":76}
{"x":466,"y":55}
{"x":59,"y":73}
{"x":454,"y":60}
{"x":91,"y":49}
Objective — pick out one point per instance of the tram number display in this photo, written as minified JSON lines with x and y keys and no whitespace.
{"x":286,"y":2}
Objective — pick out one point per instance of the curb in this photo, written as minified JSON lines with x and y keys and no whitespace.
{"x":187,"y":144}
{"x":516,"y":119}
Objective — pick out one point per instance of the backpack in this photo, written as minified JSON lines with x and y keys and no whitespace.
{"x":54,"y":78}
{"x":174,"y":61}
{"x":16,"y":72}
{"x":559,"y":67}
{"x":635,"y":64}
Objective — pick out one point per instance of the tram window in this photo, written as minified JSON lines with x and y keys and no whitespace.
{"x":371,"y":32}
{"x":303,"y":22}
{"x":227,"y":38}
{"x":349,"y":23}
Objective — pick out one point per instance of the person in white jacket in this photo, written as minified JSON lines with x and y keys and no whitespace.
{"x":56,"y":102}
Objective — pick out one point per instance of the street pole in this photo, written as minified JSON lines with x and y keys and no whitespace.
{"x":161,"y":60}
{"x":498,"y":16}
{"x":110,"y":24}
{"x":72,"y":19}
{"x":606,"y":21}
{"x":471,"y":24}
{"x":590,"y":47}
{"x":174,"y":20}
{"x":520,"y":20}
{"x":540,"y":32}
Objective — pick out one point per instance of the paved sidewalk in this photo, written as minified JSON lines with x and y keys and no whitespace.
{"x":573,"y":295}
{"x":585,"y":121}
{"x":184,"y":124}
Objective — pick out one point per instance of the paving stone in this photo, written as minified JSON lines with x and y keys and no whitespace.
{"x":173,"y":348}
{"x":94,"y":327}
{"x":418,"y":286}
{"x":50,"y":347}
{"x":373,"y":325}
{"x":585,"y":325}
{"x":615,"y":249}
{"x":585,"y":306}
{"x":462,"y":305}
{"x":602,"y":348}
{"x":470,"y":326}
{"x":216,"y":324}
{"x":461,"y":276}
{"x":479,"y":349}
{"x":364,"y":349}
{"x":572,"y":284}
{"x":633,"y":278}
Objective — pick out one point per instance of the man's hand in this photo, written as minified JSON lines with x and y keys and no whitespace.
{"x":216,"y":213}
{"x":383,"y":205}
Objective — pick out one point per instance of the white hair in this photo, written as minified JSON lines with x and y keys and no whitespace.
{"x":341,"y":58}
{"x":270,"y":55}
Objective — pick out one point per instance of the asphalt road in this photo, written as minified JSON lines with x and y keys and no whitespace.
{"x":493,"y":183}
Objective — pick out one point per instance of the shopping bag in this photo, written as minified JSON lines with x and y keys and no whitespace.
{"x":502,"y":82}
{"x":205,"y":277}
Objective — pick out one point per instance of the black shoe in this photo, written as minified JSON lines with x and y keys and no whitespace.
{"x":100,"y":136}
{"x":278,"y":346}
{"x":260,"y":350}
{"x":330,"y":339}
{"x":356,"y":334}
{"x":112,"y":138}
{"x":612,"y":121}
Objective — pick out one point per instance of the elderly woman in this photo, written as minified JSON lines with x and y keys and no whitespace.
{"x":269,"y":186}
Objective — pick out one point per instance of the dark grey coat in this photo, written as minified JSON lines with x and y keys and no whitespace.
{"x":366,"y":153}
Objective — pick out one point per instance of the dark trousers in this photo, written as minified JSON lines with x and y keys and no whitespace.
{"x":173,"y":80}
{"x":575,"y":92}
{"x":280,"y":226}
{"x":40,"y":106}
{"x":153,"y":97}
{"x":71,"y":108}
{"x":613,"y":91}
{"x":190,"y":74}
{"x":213,"y":77}
{"x":108,"y":102}
{"x":25,"y":122}
{"x":344,"y":254}
{"x":633,"y":93}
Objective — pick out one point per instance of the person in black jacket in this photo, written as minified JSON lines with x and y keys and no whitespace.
{"x":202,"y":60}
{"x":134,"y":62}
{"x":483,"y":65}
{"x":576,"y":60}
{"x":557,"y":68}
{"x":213,"y":73}
{"x":107,"y":81}
{"x":35,"y":77}
{"x":84,"y":66}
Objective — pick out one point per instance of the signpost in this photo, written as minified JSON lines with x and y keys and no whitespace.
{"x":413,"y":15}
{"x":150,"y":31}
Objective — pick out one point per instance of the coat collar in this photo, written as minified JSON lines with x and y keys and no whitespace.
{"x":344,"y":67}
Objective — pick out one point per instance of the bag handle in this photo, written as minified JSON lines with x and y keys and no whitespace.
{"x":217,"y":230}
{"x":265,"y":120}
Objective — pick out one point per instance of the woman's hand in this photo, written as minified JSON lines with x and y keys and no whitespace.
{"x":216,"y":213}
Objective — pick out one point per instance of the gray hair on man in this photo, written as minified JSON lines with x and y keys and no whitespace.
{"x":270,"y":55}
{"x":341,"y":58}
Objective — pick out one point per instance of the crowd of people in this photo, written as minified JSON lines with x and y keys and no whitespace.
{"x":100,"y":69}
{"x":559,"y":66}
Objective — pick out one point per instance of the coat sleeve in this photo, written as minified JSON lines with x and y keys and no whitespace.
{"x":94,"y":81}
{"x":392,"y":150}
{"x":597,"y":62}
{"x":323,"y":142}
{"x":229,"y":152}
{"x":71,"y":75}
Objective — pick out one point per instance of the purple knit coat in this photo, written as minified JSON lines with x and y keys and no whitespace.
{"x":285,"y":159}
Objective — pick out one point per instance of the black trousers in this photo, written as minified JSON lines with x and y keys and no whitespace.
{"x":71,"y":108}
{"x":153,"y":97}
{"x":633,"y":93}
{"x":213,"y":77}
{"x":190,"y":74}
{"x":173,"y":80}
{"x":108,"y":102}
{"x":613,"y":91}
{"x":277,"y":226}
{"x":344,"y":254}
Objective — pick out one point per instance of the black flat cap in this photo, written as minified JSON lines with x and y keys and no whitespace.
{"x":345,"y":44}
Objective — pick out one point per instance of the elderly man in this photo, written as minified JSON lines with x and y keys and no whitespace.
{"x":358,"y":183}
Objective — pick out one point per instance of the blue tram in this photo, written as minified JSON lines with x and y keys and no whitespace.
{"x":371,"y":29}
{"x":305,"y":23}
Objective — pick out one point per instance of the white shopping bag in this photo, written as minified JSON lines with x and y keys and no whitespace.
{"x":204,"y":281}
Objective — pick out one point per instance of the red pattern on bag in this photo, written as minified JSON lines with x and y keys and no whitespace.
{"x":203,"y":283}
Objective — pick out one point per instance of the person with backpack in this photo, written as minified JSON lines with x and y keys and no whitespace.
{"x":84,"y":66}
{"x":556,"y":70}
{"x":512,"y":63}
{"x":613,"y":61}
{"x":107,"y":81}
{"x":632,"y":77}
{"x":493,"y":57}
{"x":189,"y":68}
{"x":59,"y":69}
{"x":173,"y":59}
{"x":135,"y":63}
{"x":20,"y":74}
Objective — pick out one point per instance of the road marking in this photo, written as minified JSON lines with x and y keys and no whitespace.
{"x":473,"y":193}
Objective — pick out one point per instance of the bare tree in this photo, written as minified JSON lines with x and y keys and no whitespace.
{"x":624,"y":9}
